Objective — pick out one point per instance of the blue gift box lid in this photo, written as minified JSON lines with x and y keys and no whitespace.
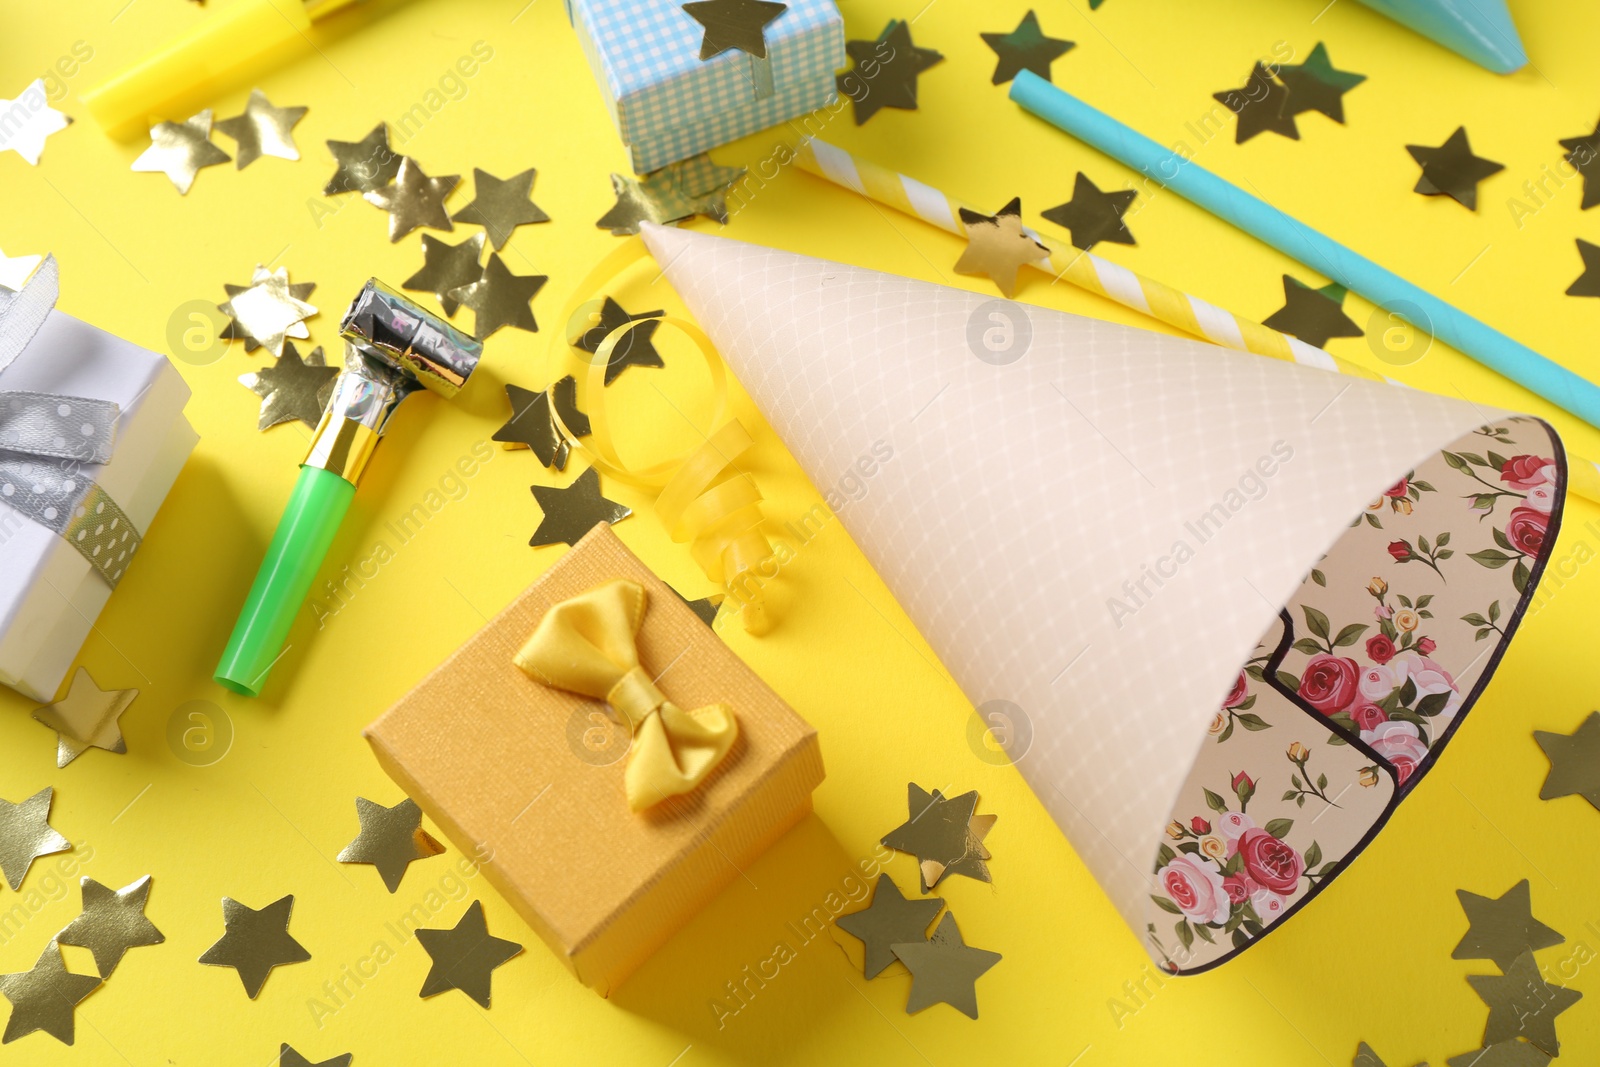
{"x":646,"y":56}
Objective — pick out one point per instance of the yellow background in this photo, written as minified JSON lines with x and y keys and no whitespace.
{"x":1369,"y":960}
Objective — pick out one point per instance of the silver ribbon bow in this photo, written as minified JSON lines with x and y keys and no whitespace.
{"x":48,"y":442}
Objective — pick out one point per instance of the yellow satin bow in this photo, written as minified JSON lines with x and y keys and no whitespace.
{"x":586,"y":645}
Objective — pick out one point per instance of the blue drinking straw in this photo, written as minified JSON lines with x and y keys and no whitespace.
{"x":1261,"y":220}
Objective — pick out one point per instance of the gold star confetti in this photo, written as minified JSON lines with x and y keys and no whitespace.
{"x":25,"y":835}
{"x":1025,"y":48}
{"x":501,"y":206}
{"x":292,"y":388}
{"x":86,"y":718}
{"x":111,"y":923}
{"x":16,"y":270}
{"x":705,"y":608}
{"x":465,"y":956}
{"x":414,"y":200}
{"x":571,"y":512}
{"x":1574,"y":761}
{"x":390,"y":839}
{"x":180,"y":150}
{"x":268,"y":310}
{"x":254,"y":942}
{"x":500,"y":298}
{"x":883,"y":72}
{"x":446,"y":267}
{"x":1503,"y":928}
{"x":262,"y":130}
{"x":943,"y":834}
{"x":889,"y":920}
{"x":736,"y":24}
{"x":653,"y":201}
{"x":363,"y":165}
{"x":1452,"y":169}
{"x":531,"y":426}
{"x":695,"y":186}
{"x":636,"y":348}
{"x":44,"y":998}
{"x":288,"y":1057}
{"x":944,"y":969}
{"x":1522,"y":1004}
{"x":998,"y":246}
{"x":29,"y":120}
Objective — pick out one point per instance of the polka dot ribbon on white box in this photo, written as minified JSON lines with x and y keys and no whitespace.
{"x":50,"y":443}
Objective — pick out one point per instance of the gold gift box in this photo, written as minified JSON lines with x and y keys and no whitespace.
{"x":519,"y":773}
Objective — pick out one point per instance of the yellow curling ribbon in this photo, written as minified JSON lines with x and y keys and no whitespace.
{"x":704,"y":499}
{"x":586,"y":645}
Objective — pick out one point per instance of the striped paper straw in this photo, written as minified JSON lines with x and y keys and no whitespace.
{"x":1086,"y":270}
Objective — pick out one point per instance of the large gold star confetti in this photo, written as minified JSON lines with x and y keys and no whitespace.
{"x":29,"y":119}
{"x":998,"y":246}
{"x":254,"y":942}
{"x":531,"y":425}
{"x":1522,"y":1004}
{"x":268,"y":310}
{"x":571,"y":512}
{"x":944,"y":835}
{"x":736,"y":24}
{"x":288,"y":1057}
{"x":944,"y":969}
{"x":112,"y":922}
{"x":363,"y":165}
{"x":500,"y":298}
{"x":414,"y":200}
{"x":16,"y":270}
{"x":1503,"y":928}
{"x":694,"y":186}
{"x":889,"y":920}
{"x":292,"y":388}
{"x":446,"y":267}
{"x":262,"y":130}
{"x":465,"y":956}
{"x":1574,"y":761}
{"x":501,"y":206}
{"x":86,"y":718}
{"x":180,"y":150}
{"x":44,"y":998}
{"x":26,"y":834}
{"x":390,"y":839}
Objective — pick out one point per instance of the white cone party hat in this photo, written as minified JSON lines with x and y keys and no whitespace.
{"x":1241,"y":603}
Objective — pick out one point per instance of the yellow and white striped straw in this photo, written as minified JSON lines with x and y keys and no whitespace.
{"x":1174,"y":307}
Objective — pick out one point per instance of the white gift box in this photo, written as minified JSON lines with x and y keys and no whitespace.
{"x":50,"y":596}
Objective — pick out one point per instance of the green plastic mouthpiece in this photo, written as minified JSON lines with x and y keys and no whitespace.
{"x":306,"y":530}
{"x":392,"y":348}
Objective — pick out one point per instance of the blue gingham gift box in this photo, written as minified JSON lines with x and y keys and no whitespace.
{"x":668,"y":104}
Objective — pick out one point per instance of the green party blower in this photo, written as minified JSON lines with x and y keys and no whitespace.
{"x":392,"y":348}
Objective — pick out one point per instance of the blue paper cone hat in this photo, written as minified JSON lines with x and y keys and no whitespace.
{"x":1481,"y":30}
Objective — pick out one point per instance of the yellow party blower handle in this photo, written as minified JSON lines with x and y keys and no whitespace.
{"x":203,"y":62}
